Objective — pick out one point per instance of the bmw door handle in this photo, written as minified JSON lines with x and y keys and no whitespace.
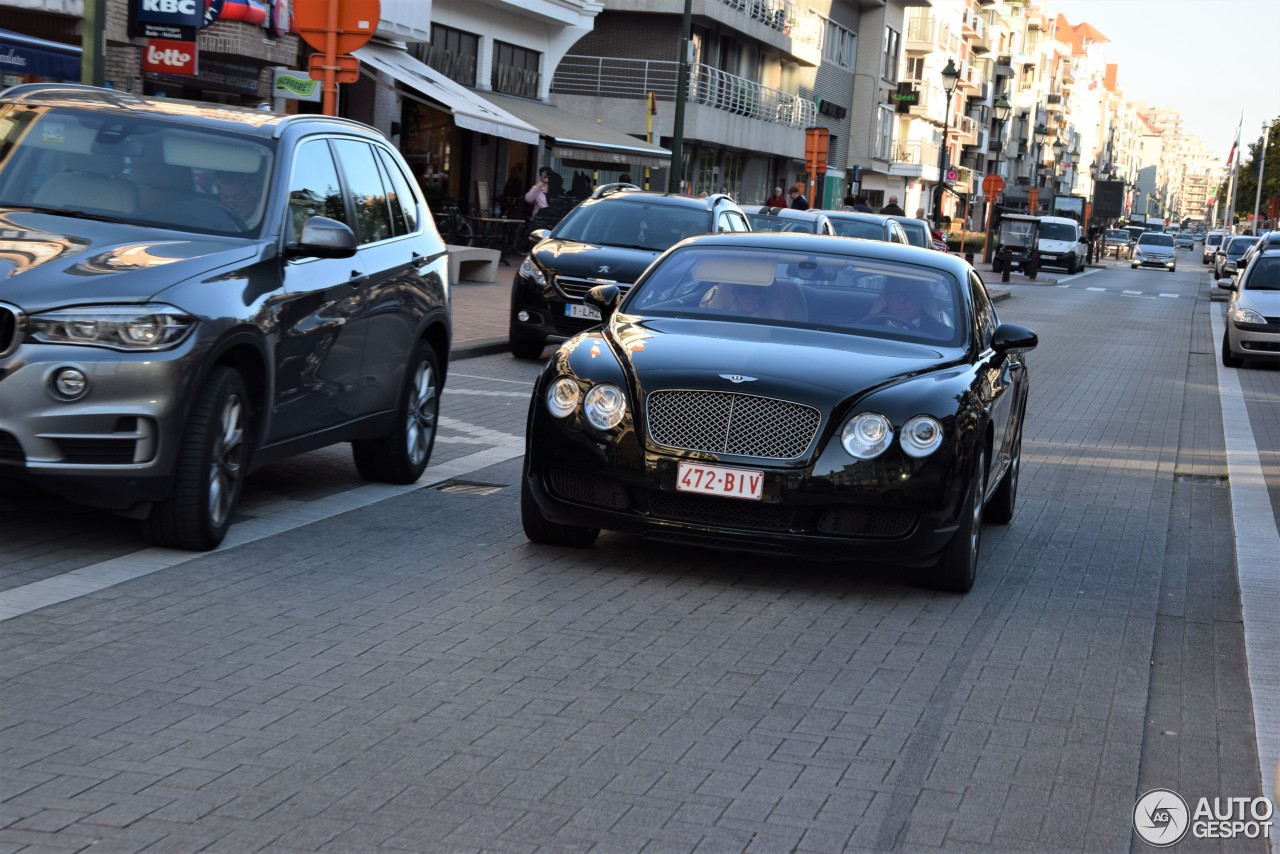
{"x":357,"y":279}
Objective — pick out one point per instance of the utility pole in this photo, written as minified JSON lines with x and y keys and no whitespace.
{"x":682,"y":92}
{"x":92,"y":43}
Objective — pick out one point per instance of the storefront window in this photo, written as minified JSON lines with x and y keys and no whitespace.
{"x":428,"y":145}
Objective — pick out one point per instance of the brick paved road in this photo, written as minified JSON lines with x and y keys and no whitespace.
{"x":414,"y":676}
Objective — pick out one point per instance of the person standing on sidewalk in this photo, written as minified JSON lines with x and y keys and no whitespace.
{"x":893,"y":208}
{"x":798,"y":201}
{"x":777,"y":200}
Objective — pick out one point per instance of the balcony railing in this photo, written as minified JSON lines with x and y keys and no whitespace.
{"x":610,"y":77}
{"x":919,"y":153}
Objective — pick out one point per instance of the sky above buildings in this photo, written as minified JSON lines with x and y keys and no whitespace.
{"x":1207,"y":60}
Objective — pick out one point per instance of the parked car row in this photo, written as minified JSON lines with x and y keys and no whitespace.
{"x":1253,"y":313}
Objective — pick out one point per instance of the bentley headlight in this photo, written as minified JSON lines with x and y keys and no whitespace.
{"x":867,"y":435}
{"x":530,"y":270}
{"x":117,"y":327}
{"x":605,"y":405}
{"x":562,"y":397}
{"x":1247,"y":315}
{"x":921,"y":436}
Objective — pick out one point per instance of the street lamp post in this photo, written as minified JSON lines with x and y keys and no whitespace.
{"x":1040,"y":134}
{"x":1002,"y":109}
{"x":1057,"y":162}
{"x":950,"y":76}
{"x":675,"y":178}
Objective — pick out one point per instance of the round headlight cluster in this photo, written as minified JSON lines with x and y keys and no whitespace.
{"x":604,"y":406}
{"x":921,"y":436}
{"x":562,"y":397}
{"x":867,"y":435}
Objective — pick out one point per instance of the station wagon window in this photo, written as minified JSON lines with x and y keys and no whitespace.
{"x":404,"y":204}
{"x":733,"y":221}
{"x":367,"y":194}
{"x":314,"y":189}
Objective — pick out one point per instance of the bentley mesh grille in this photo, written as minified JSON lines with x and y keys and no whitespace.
{"x":728,"y":423}
{"x":577,"y":288}
{"x":8,"y":330}
{"x":10,"y":449}
{"x":867,"y":521}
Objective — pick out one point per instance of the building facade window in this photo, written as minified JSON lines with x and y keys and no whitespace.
{"x":515,"y":70}
{"x":837,"y":44}
{"x":884,"y":133}
{"x":889,"y":61}
{"x":451,"y":52}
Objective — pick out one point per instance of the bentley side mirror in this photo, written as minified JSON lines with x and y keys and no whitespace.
{"x":605,"y":298}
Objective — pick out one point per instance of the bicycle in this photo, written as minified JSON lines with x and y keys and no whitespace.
{"x":455,"y":229}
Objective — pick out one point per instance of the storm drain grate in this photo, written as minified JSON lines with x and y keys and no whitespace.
{"x":1203,"y":479}
{"x":468,"y":487}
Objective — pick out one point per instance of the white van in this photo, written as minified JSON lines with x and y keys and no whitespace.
{"x":1061,"y":243}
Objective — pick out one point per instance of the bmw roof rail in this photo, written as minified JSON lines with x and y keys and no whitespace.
{"x":609,"y":189}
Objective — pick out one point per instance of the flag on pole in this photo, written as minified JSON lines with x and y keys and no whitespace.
{"x":1231,"y":158}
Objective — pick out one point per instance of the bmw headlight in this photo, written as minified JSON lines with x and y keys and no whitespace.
{"x":117,"y":327}
{"x":921,"y":436}
{"x":605,"y":406}
{"x":1247,"y":315}
{"x":530,"y":270}
{"x":562,"y":397}
{"x":867,"y":435}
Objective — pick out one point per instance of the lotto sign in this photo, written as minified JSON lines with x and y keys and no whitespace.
{"x":162,"y":56}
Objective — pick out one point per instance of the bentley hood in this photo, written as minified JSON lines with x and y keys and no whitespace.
{"x":762,"y":360}
{"x":47,"y":261}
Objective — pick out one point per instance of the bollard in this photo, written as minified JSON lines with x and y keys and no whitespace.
{"x":968,"y":257}
{"x":1005,"y":254}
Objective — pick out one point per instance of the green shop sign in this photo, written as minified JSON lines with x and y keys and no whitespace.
{"x":295,"y":84}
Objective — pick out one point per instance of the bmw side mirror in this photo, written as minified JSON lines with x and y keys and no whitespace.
{"x":605,"y":298}
{"x":1227,"y":284}
{"x":1012,"y":338}
{"x":322,"y":237}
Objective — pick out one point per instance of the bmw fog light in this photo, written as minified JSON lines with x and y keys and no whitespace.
{"x":867,"y":435}
{"x":70,"y":383}
{"x":605,"y":405}
{"x":562,"y":397}
{"x":921,"y":436}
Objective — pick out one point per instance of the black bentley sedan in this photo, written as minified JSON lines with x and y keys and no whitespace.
{"x":786,"y":394}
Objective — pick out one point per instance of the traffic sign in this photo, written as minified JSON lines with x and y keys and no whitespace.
{"x":992,"y":185}
{"x":352,"y":20}
{"x":346,"y":68}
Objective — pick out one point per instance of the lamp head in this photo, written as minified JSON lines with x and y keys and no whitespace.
{"x":1003,"y":108}
{"x":950,"y":75}
{"x":1057,"y":148}
{"x":1040,"y":133}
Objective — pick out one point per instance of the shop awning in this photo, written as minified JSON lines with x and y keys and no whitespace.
{"x":577,"y":138}
{"x":21,"y":54}
{"x":469,"y":110}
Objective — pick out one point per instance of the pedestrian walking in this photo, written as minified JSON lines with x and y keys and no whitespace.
{"x":893,"y":209}
{"x":798,"y":200}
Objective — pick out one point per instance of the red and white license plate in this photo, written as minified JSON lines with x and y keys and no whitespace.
{"x":718,"y":480}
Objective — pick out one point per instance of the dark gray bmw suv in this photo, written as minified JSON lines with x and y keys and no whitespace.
{"x":189,"y":291}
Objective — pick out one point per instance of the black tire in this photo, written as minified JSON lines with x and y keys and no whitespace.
{"x":539,"y":529}
{"x":1072,"y":267}
{"x":1004,"y":498}
{"x":402,"y":455}
{"x":995,"y":264}
{"x":210,"y":468}
{"x":958,"y":565}
{"x":1229,"y":359}
{"x":1174,"y":267}
{"x":526,"y":348}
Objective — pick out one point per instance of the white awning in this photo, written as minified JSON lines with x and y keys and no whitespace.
{"x":469,"y":110}
{"x":578,"y":138}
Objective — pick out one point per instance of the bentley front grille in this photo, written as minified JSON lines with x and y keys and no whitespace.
{"x":728,"y":423}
